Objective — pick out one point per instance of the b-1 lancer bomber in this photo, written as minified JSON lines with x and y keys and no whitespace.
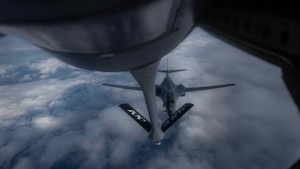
{"x":168,"y":92}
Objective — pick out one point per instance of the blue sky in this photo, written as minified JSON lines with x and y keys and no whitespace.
{"x":53,"y":115}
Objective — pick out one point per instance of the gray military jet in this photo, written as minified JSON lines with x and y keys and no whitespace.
{"x":168,"y":92}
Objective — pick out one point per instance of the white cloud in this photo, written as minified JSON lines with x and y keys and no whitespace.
{"x":48,"y":66}
{"x":46,"y":122}
{"x":24,"y":163}
{"x":55,"y":115}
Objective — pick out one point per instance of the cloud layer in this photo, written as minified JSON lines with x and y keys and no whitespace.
{"x":56,"y":116}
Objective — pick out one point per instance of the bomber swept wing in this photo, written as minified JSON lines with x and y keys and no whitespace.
{"x":171,"y":71}
{"x":191,"y":89}
{"x":122,"y":86}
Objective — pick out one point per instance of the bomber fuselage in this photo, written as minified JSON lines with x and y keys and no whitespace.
{"x":169,"y":93}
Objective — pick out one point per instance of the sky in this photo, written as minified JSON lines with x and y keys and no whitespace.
{"x":55,"y":116}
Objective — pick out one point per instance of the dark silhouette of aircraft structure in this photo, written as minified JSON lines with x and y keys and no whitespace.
{"x":168,"y":92}
{"x":133,"y":35}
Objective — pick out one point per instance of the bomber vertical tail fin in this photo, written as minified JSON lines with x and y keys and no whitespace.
{"x":170,"y":71}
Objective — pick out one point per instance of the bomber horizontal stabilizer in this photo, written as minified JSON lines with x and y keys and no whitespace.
{"x":136,"y":116}
{"x":175,"y":116}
